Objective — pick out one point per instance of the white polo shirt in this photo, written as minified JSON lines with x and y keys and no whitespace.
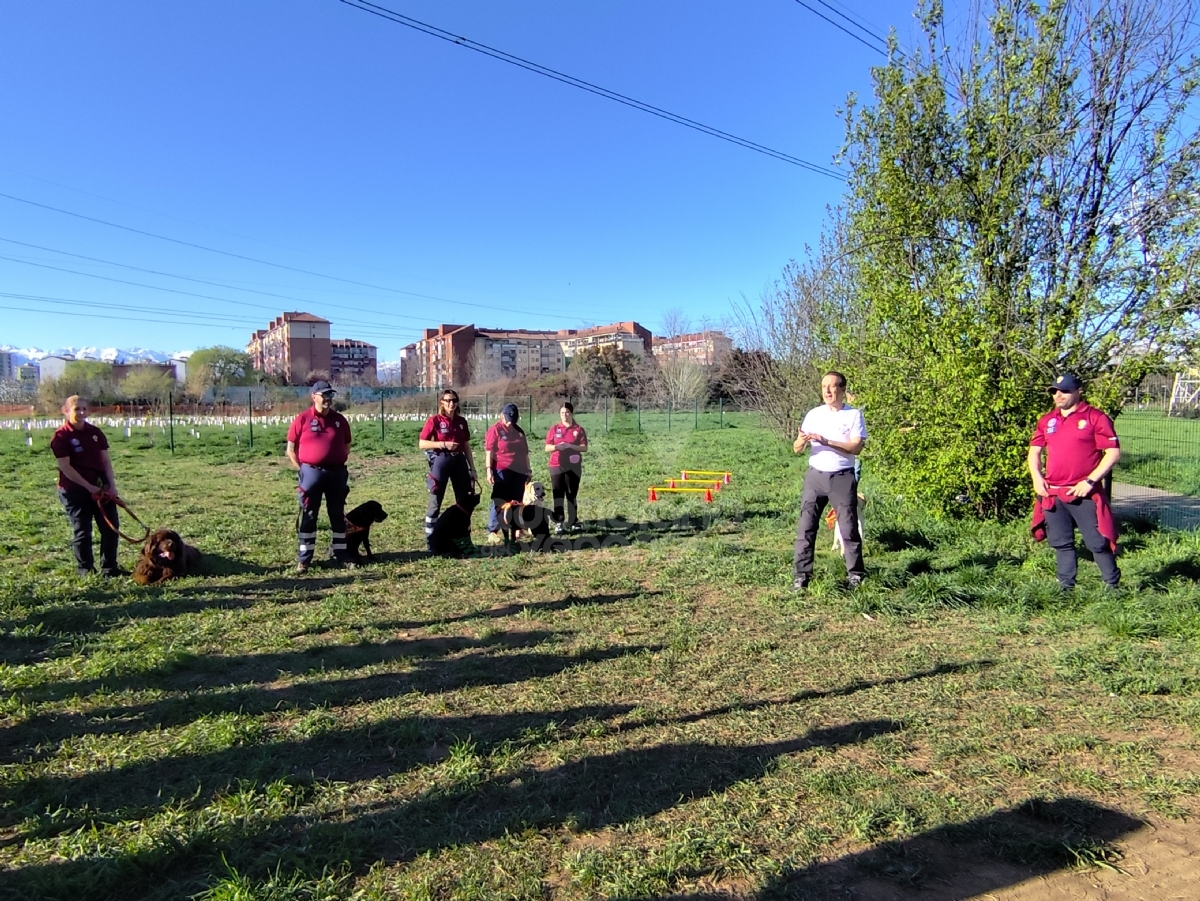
{"x":845,"y":424}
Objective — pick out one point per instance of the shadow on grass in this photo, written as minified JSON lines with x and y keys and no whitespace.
{"x":1179,"y":569}
{"x":968,"y":860}
{"x":591,"y":792}
{"x":903,"y":539}
{"x":533,"y":608}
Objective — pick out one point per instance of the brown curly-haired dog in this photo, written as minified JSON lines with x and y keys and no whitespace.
{"x":165,"y":556}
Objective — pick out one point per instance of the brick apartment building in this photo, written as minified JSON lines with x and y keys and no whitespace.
{"x":292,"y":346}
{"x":353,"y":362}
{"x":454,"y":355}
{"x":704,"y":348}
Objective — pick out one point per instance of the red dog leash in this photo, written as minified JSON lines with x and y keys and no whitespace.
{"x":100,"y":497}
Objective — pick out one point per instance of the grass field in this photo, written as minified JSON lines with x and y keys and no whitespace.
{"x":1160,"y":451}
{"x":659,"y":718}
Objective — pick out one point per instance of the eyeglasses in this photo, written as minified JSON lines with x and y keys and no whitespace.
{"x":449,"y":400}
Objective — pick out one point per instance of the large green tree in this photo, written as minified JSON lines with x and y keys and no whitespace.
{"x":225,"y":365}
{"x":1022,"y":201}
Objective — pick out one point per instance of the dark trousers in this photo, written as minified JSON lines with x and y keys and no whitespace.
{"x":564,"y":483}
{"x":841,"y":490}
{"x":81,"y":510}
{"x":445,"y":469}
{"x":1061,"y":523}
{"x":508,"y":486}
{"x":333,"y":485}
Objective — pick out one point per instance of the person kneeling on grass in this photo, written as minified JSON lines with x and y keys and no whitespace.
{"x":87,"y":487}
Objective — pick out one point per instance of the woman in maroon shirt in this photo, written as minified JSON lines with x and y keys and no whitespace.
{"x":566,"y":441}
{"x":506,"y":459}
{"x":446,"y":440}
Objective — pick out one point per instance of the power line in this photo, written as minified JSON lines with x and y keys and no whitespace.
{"x":238,"y":256}
{"x":841,"y":28}
{"x":185,"y":278}
{"x":433,"y":31}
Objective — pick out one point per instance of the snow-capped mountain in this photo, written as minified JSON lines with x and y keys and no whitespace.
{"x":106,"y":354}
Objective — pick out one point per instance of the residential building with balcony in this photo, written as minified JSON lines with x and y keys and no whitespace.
{"x":292,"y":346}
{"x":353,"y":362}
{"x":705,"y":348}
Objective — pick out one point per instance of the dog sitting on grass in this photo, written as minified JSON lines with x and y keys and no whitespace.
{"x":166,"y":556}
{"x":451,"y":536}
{"x":358,"y":528}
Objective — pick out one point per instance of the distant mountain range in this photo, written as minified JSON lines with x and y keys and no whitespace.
{"x":132,"y":355}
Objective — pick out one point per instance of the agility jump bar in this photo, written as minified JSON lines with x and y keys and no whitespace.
{"x":722,"y":474}
{"x":654,"y":492}
{"x":714,"y":484}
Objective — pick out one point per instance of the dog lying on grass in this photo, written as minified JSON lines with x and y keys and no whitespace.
{"x":451,"y":535}
{"x":358,"y":528}
{"x":165,"y":556}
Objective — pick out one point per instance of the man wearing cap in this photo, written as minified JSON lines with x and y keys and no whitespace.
{"x":318,"y":444}
{"x":834,"y":434}
{"x":506,"y":459}
{"x":1079,"y":447}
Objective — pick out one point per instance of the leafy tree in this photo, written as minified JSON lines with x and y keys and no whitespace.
{"x":147,"y":383}
{"x":227,"y":366}
{"x":1022,"y":206}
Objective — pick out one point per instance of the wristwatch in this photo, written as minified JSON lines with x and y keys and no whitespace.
{"x":1090,"y":481}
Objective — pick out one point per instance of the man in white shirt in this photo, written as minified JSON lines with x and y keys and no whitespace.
{"x":834,"y":433}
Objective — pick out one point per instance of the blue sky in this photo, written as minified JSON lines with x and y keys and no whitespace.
{"x":449,"y":186}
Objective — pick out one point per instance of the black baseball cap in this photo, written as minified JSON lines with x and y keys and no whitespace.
{"x":322,"y":387}
{"x":1066,"y":382}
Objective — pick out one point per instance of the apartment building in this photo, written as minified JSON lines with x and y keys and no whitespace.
{"x":8,"y":366}
{"x":292,"y":346}
{"x":706,"y":348}
{"x":353,"y":362}
{"x":629,"y":336}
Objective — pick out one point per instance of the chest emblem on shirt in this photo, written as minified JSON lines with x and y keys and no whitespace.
{"x":1083,"y":424}
{"x":1052,"y":426}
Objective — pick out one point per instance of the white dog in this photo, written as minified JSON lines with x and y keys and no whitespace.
{"x":535,"y":493}
{"x":832,"y":521}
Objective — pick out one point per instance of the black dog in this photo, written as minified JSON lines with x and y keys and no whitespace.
{"x":452,"y":532}
{"x":531,"y":519}
{"x":358,"y":528}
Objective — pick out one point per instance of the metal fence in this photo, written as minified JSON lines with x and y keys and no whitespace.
{"x":1159,"y":474}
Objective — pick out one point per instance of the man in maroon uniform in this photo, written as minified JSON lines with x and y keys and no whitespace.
{"x":318,"y":444}
{"x":446,"y":440}
{"x":566,"y":442}
{"x":86,"y":486}
{"x":1081,"y":448}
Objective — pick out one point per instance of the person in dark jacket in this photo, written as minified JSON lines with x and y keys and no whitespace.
{"x":87,"y":487}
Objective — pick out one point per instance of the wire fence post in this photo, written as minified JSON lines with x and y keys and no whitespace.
{"x":639,"y":414}
{"x":606,"y":414}
{"x":668,"y":416}
{"x":485,"y":406}
{"x":531,"y":416}
{"x":171,"y":418}
{"x":250,"y":414}
{"x":696,"y":416}
{"x":722,"y":412}
{"x":382,"y":427}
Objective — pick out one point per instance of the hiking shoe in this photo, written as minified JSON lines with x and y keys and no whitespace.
{"x":800,"y":583}
{"x":301,"y":568}
{"x":854,"y":581}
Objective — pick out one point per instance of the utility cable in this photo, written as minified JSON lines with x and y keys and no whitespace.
{"x":842,"y":28}
{"x":249,"y":259}
{"x":433,"y":31}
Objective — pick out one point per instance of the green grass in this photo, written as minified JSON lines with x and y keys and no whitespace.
{"x":663,"y":717}
{"x":1159,"y":451}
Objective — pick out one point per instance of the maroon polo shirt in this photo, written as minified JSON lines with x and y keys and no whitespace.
{"x":510,"y":449}
{"x":321,"y":439}
{"x":566,"y":434}
{"x":1074,"y":444}
{"x":443,"y":428}
{"x":85,"y":449}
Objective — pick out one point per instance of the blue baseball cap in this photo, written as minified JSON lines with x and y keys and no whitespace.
{"x":1066,"y":382}
{"x":322,"y":387}
{"x":511,"y":413}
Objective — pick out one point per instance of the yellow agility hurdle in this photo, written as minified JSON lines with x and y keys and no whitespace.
{"x":722,"y":474}
{"x":714,"y":484}
{"x":654,"y":491}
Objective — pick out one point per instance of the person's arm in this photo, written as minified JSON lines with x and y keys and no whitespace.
{"x":487,"y":465}
{"x":1034,"y":460}
{"x":291,"y":454}
{"x":1107,"y":461}
{"x":106,"y":462}
{"x":426,"y":442}
{"x":801,"y":442}
{"x":65,"y":467}
{"x":850,"y":445}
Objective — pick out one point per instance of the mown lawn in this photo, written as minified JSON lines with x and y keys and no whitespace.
{"x":660,"y":717}
{"x":1159,"y":451}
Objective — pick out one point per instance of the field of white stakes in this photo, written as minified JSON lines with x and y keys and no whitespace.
{"x":118,"y":423}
